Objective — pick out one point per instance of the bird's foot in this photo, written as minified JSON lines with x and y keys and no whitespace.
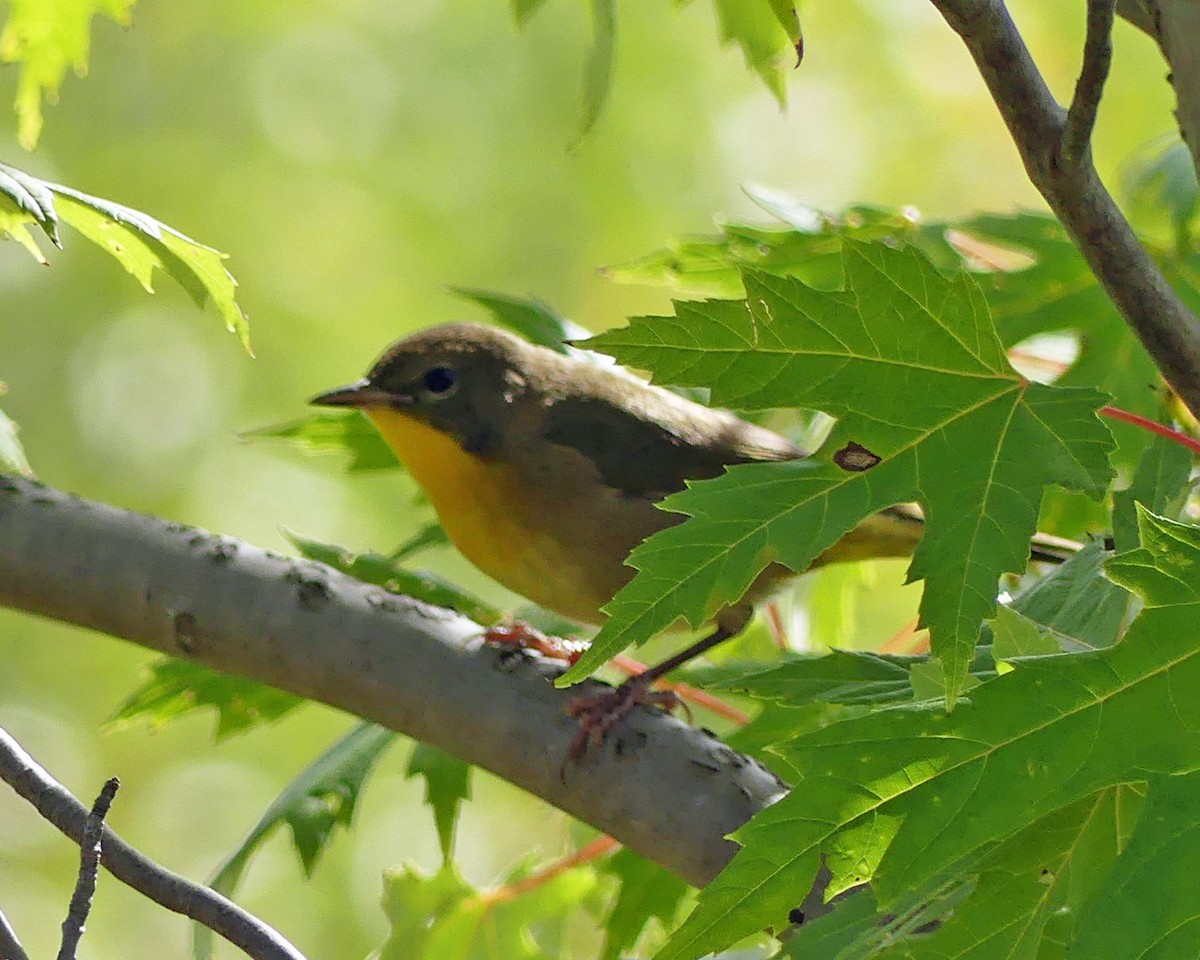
{"x":599,"y":712}
{"x":519,"y":634}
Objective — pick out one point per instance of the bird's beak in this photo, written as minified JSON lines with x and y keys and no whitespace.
{"x":360,"y":394}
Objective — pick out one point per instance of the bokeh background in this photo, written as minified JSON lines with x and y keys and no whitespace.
{"x":357,"y":158}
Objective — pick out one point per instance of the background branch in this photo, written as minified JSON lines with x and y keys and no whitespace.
{"x":1097,"y":58}
{"x":1072,"y":188}
{"x":1175,"y":24}
{"x":666,"y":790}
{"x":10,"y":945}
{"x":56,"y":804}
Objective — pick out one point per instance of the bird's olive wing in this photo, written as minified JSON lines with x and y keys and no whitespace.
{"x":646,"y":458}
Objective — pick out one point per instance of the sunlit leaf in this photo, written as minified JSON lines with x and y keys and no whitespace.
{"x":12,"y":455}
{"x":442,"y":916}
{"x":767,"y":31}
{"x":46,"y":39}
{"x":136,"y":240}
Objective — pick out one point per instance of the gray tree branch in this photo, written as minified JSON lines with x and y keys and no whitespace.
{"x":1072,"y":188}
{"x":666,"y":790}
{"x":1175,"y":24}
{"x":10,"y":945}
{"x":90,"y":846}
{"x":56,"y":804}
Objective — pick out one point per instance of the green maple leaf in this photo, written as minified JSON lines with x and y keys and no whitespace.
{"x":1019,"y":899}
{"x":447,"y":785}
{"x":899,"y":797}
{"x":909,"y":362}
{"x":134,"y":239}
{"x":768,"y":32}
{"x":442,"y":916}
{"x":320,"y":799}
{"x":1147,"y":906}
{"x":46,"y":39}
{"x":176,"y":688}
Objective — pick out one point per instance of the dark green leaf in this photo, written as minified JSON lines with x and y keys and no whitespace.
{"x":430,"y":535}
{"x":597,"y":73}
{"x":531,"y":319}
{"x":1026,"y":894}
{"x":178,"y":687}
{"x":835,"y":933}
{"x":1058,"y":292}
{"x":385,"y":572}
{"x":647,"y":892}
{"x":1160,"y":485}
{"x":1148,"y":905}
{"x":840,"y":676}
{"x":908,"y":361}
{"x":1165,"y":569}
{"x":1055,"y":730}
{"x":1161,"y":179}
{"x":320,"y":799}
{"x":341,"y":432}
{"x":447,"y":785}
{"x":1076,"y":602}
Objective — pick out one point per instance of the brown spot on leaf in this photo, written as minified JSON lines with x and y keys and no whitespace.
{"x":856,"y":458}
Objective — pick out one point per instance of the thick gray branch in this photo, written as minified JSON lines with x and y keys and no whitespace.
{"x":1167,"y":328}
{"x":667,"y":791}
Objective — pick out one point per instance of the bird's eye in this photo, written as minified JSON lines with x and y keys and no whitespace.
{"x":440,"y":380}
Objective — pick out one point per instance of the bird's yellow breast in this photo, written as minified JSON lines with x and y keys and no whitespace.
{"x":491,"y":516}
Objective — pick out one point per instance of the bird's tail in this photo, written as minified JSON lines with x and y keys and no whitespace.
{"x":895,"y":532}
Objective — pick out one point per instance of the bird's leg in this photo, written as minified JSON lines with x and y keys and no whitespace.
{"x":599,"y":712}
{"x":520,"y":634}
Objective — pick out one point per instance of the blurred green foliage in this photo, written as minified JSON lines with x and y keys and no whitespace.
{"x":357,"y":159}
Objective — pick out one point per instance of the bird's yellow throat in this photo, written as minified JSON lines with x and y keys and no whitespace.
{"x":485,"y":512}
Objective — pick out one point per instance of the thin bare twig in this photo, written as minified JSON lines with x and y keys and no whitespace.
{"x":1097,"y":59}
{"x":56,"y":804}
{"x":1074,"y":191}
{"x":89,"y":867}
{"x":10,"y":945}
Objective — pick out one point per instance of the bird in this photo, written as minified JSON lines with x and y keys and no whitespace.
{"x":544,"y":470}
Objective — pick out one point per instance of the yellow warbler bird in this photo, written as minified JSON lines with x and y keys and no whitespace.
{"x":545,"y":469}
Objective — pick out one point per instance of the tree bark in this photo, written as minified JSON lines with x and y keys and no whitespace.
{"x":666,"y":790}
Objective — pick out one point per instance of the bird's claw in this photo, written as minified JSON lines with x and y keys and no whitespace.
{"x":600,"y":712}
